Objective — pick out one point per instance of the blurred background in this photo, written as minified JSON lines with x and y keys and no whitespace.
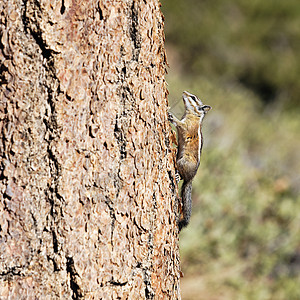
{"x":242,"y":58}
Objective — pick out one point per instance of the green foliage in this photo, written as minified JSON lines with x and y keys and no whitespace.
{"x":244,"y":230}
{"x":255,"y":43}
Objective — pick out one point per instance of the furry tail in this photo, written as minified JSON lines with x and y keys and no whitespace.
{"x":186,"y":198}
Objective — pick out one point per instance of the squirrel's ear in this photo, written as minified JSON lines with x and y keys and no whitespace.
{"x":206,"y":108}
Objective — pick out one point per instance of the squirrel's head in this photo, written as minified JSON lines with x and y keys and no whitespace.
{"x":194,"y":105}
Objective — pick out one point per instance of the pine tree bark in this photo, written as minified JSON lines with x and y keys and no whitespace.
{"x":87,"y":193}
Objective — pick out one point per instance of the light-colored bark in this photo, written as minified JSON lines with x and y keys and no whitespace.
{"x":87,"y":194}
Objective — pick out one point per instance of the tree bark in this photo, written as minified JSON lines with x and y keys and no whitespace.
{"x":87,"y":193}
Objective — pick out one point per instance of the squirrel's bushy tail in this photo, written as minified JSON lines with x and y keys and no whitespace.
{"x":186,"y":200}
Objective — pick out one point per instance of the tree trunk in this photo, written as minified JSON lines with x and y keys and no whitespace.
{"x":87,"y":194}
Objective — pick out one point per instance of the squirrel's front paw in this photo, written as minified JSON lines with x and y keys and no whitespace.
{"x":170,"y":117}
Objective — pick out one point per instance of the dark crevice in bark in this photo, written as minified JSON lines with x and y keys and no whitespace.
{"x":13,"y":271}
{"x":69,"y":97}
{"x":154,"y":201}
{"x":55,"y":266}
{"x":35,"y":31}
{"x":6,"y":54}
{"x":100,"y":11}
{"x":121,"y":140}
{"x":3,"y":71}
{"x":149,"y":293}
{"x":109,"y":203}
{"x":134,"y":32}
{"x":24,"y":17}
{"x":46,"y":52}
{"x":55,"y":169}
{"x":117,"y":283}
{"x":172,"y":182}
{"x":62,"y":8}
{"x":53,"y":196}
{"x":55,"y":243}
{"x":51,"y":77}
{"x":76,"y":291}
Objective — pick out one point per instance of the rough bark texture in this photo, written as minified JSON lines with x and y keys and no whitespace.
{"x":87,"y":196}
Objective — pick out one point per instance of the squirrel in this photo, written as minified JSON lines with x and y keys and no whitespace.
{"x":190,"y":143}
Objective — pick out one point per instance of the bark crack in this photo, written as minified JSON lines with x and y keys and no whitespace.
{"x":35,"y":31}
{"x":121,"y":140}
{"x":63,"y":8}
{"x":117,"y":283}
{"x":109,"y":203}
{"x":134,"y":32}
{"x":76,"y":290}
{"x":149,"y":292}
{"x":14,"y":271}
{"x":100,"y":11}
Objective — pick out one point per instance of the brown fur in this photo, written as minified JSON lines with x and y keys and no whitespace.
{"x":189,"y":150}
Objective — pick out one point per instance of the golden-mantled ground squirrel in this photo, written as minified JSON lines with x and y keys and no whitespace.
{"x":190,"y":143}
